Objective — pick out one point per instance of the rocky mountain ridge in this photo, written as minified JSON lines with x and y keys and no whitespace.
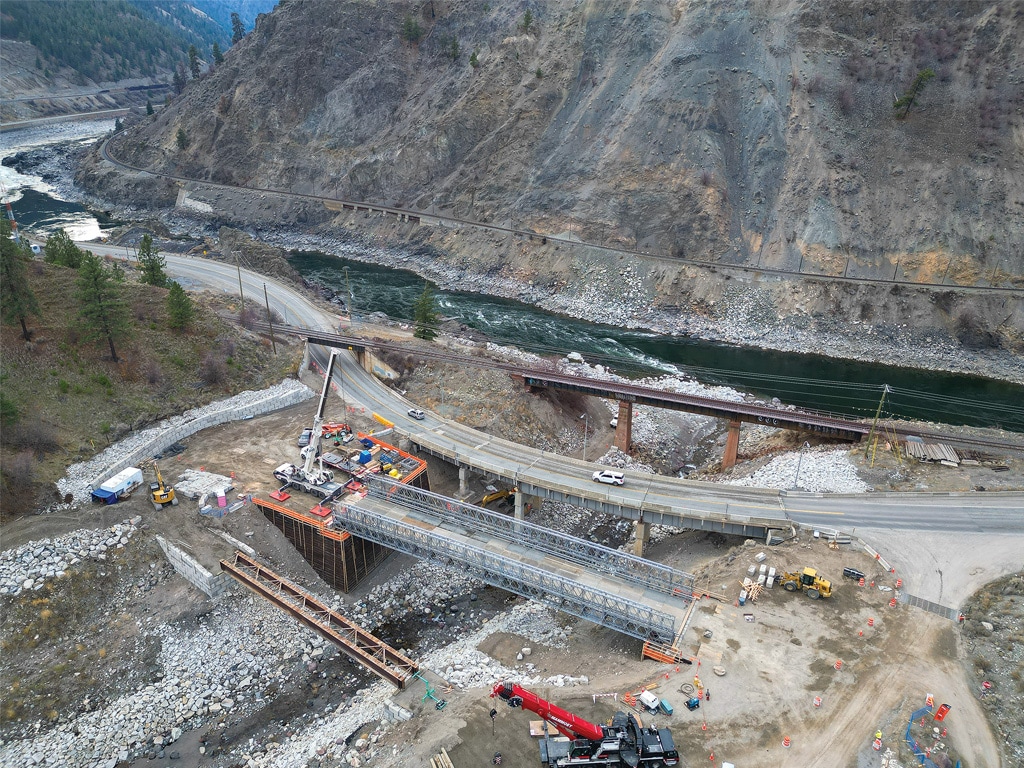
{"x":741,"y":134}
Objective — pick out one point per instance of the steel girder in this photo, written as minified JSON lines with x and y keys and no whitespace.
{"x":623,"y":615}
{"x":595,"y":557}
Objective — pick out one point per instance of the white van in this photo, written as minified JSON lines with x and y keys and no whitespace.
{"x":609,"y":477}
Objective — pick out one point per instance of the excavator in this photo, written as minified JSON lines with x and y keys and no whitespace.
{"x":626,"y":742}
{"x":161,"y":493}
{"x":808,"y":581}
{"x":497,"y":495}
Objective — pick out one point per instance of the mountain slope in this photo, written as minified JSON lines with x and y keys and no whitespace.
{"x":760,"y":134}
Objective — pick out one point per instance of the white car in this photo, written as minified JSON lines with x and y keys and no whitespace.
{"x":609,"y":476}
{"x":416,"y":413}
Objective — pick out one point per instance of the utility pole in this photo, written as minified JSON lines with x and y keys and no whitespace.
{"x":270,"y":320}
{"x":240,"y":293}
{"x":874,"y":423}
{"x":799,"y":460}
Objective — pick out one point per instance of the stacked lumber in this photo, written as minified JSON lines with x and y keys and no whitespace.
{"x":441,"y":760}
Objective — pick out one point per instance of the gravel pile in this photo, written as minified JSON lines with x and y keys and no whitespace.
{"x":77,"y":481}
{"x":29,"y":566}
{"x":821,"y":471}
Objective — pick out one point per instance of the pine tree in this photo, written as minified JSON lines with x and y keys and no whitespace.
{"x":62,"y":251}
{"x":237,"y":28}
{"x":425,"y":315}
{"x":906,"y":101}
{"x":179,"y":78}
{"x":16,"y":298}
{"x":193,"y":62}
{"x":182,"y":138}
{"x":218,"y":57}
{"x":152,"y":263}
{"x":180,"y":308}
{"x":149,"y":107}
{"x":103,"y":310}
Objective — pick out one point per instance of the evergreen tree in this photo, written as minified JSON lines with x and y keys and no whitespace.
{"x":218,"y":57}
{"x":152,"y":263}
{"x":16,"y":298}
{"x":149,"y":107}
{"x":103,"y":311}
{"x":906,"y":101}
{"x":180,"y":308}
{"x":62,"y":251}
{"x":425,"y":315}
{"x":178,"y":79}
{"x":193,"y":62}
{"x":182,"y":139}
{"x":237,"y":28}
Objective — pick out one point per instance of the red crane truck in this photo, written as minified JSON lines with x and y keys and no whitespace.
{"x":624,"y":742}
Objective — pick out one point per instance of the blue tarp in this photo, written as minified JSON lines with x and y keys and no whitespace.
{"x":107,"y":497}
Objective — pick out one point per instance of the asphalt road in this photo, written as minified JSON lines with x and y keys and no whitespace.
{"x":973,"y":512}
{"x":990,"y":526}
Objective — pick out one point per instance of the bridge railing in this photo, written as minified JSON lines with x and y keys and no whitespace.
{"x":625,"y":615}
{"x":646,"y":573}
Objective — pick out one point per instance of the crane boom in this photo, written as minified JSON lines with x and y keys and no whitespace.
{"x":566,"y":722}
{"x":312,"y":451}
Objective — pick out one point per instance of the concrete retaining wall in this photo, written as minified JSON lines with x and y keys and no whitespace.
{"x":193,"y":572}
{"x":164,"y":437}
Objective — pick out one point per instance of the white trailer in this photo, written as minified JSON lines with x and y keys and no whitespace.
{"x":120,"y":486}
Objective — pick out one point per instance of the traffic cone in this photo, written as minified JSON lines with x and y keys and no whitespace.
{"x":876,"y":745}
{"x":892,"y":603}
{"x":704,"y":726}
{"x":871,"y":622}
{"x":839,"y":664}
{"x":785,"y":741}
{"x":861,"y":582}
{"x":817,"y":701}
{"x":899,"y":583}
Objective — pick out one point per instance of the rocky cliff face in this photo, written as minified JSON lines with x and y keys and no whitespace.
{"x":758,"y":133}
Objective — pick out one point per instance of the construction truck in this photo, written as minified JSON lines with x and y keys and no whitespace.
{"x":807,"y":580}
{"x":312,"y":477}
{"x":625,"y":742}
{"x":160,"y":493}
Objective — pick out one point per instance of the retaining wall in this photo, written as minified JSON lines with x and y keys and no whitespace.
{"x":193,"y":572}
{"x":159,"y":438}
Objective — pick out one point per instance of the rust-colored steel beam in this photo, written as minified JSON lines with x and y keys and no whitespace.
{"x":353,"y":640}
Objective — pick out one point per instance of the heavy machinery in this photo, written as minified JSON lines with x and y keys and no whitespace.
{"x":624,"y":742}
{"x":160,"y":493}
{"x":312,"y":477}
{"x":807,"y":580}
{"x":496,"y":496}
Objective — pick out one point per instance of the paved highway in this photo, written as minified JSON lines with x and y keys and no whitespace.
{"x":662,"y":498}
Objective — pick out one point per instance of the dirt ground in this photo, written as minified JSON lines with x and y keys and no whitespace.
{"x":778,"y":653}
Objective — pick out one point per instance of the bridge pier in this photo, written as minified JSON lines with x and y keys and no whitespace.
{"x":732,"y":444}
{"x":463,"y":482}
{"x":643,"y":536}
{"x":624,"y":426}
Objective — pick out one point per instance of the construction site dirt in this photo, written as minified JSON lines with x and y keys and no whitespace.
{"x":823,"y":675}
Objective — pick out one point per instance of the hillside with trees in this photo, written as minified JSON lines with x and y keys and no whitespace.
{"x":93,"y":349}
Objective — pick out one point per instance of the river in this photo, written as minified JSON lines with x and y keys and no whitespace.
{"x":812,"y":381}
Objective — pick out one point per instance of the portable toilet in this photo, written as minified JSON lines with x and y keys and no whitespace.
{"x":365,"y":457}
{"x":666,"y":708}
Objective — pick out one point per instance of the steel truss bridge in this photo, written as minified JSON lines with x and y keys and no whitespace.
{"x":623,"y":592}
